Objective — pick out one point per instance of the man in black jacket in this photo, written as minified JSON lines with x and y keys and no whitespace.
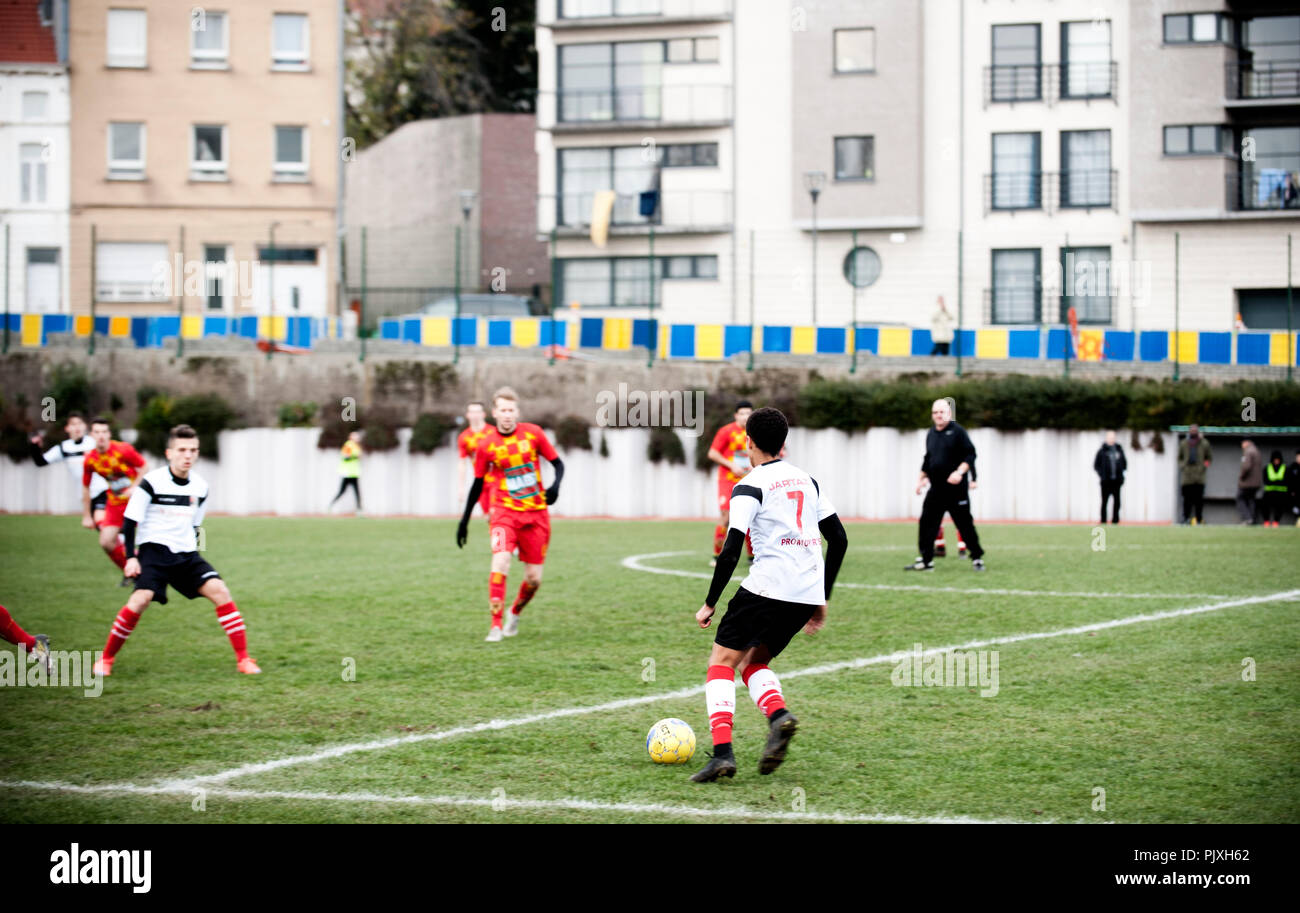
{"x":949,"y":455}
{"x":1110,"y":466}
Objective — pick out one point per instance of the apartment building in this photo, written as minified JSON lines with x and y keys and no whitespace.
{"x":817,"y":162}
{"x":205,"y":157}
{"x":34,"y":156}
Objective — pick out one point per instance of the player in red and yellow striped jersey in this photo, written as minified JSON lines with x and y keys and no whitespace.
{"x":728,"y":451}
{"x":467,"y":444}
{"x":519,"y":517}
{"x":120,"y":465}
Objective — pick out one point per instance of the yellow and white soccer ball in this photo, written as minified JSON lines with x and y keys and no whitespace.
{"x":670,"y":741}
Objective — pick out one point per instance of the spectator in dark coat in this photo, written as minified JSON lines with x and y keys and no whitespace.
{"x":1250,"y":479}
{"x":1193,"y":460}
{"x":1293,"y":487}
{"x":1110,"y":465}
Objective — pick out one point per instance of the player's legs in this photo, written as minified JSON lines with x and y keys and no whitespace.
{"x":343,"y":486}
{"x":960,"y":514}
{"x":12,"y":632}
{"x":503,"y":536}
{"x":533,"y":539}
{"x":232,"y":622}
{"x":355,"y":483}
{"x":127,"y":618}
{"x":932,"y":510}
{"x":115,"y":550}
{"x":724,"y":520}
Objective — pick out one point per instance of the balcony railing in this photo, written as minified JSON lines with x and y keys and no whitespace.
{"x":1013,"y":304}
{"x":1050,"y":82}
{"x":1049,"y":191}
{"x":677,"y":211}
{"x":582,"y":12}
{"x":634,"y":106}
{"x":1263,"y":79}
{"x":1261,"y":189}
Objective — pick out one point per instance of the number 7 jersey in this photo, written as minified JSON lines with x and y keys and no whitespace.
{"x":781,"y":506}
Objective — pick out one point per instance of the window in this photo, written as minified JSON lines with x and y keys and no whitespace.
{"x":854,"y":158}
{"x":126,"y":151}
{"x":1085,"y":168}
{"x":1269,"y":58}
{"x":209,"y":42}
{"x":692,"y":50}
{"x":611,"y":81}
{"x":127,"y":31}
{"x":126,"y":271}
{"x":1017,"y":71}
{"x":1017,"y":286}
{"x":300,"y":255}
{"x":608,"y":282}
{"x":861,"y":267}
{"x":45,"y":9}
{"x":690,"y":155}
{"x":579,"y":9}
{"x":35,"y":105}
{"x":704,"y":266}
{"x":289,"y":41}
{"x":44,"y":280}
{"x":290,"y":153}
{"x":627,"y":170}
{"x":208,"y":153}
{"x":1086,"y":284}
{"x":1272,"y":180}
{"x":855,"y":50}
{"x":1017,"y":180}
{"x":1197,"y":139}
{"x":1085,"y":60}
{"x":31,"y":166}
{"x":1197,"y":28}
{"x":216,"y":284}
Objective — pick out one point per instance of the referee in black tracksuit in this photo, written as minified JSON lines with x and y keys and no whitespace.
{"x":949,"y":456}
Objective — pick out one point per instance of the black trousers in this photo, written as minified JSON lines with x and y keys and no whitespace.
{"x":1275,"y":505}
{"x":1246,"y":504}
{"x":1110,"y":490}
{"x":940,"y":348}
{"x":955,"y":501}
{"x":1193,"y":501}
{"x":344,"y":484}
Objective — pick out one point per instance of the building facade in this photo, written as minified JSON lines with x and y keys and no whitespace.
{"x":206,"y":154}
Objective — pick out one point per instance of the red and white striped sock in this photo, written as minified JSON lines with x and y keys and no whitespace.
{"x":764,"y":688}
{"x":10,"y":631}
{"x":233,"y":624}
{"x":526,"y":591}
{"x":123,"y":625}
{"x":720,"y":697}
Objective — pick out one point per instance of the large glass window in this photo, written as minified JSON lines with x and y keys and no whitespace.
{"x":1085,"y":59}
{"x":1197,"y":28}
{"x":626,"y":170}
{"x":208,"y":155}
{"x":209,"y":42}
{"x":289,"y":46}
{"x":1270,"y":57}
{"x":1085,"y":168}
{"x":1017,"y":71}
{"x":1271,"y":173}
{"x":126,"y":151}
{"x":1086,"y":284}
{"x":611,"y":81}
{"x":1017,"y":288}
{"x":854,"y":158}
{"x":31,"y":178}
{"x":127,"y":38}
{"x":1017,"y":171}
{"x":1197,"y":139}
{"x":855,"y":50}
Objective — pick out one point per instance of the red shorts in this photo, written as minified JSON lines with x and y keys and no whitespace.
{"x":724,"y":493}
{"x":113,"y":514}
{"x":527,"y":530}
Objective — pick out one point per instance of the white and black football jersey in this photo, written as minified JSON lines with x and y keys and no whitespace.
{"x":781,"y":506}
{"x":166,"y":509}
{"x":72,"y":454}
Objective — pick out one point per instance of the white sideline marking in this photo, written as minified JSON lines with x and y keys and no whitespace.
{"x":503,"y":803}
{"x":635,"y":563}
{"x":380,"y":744}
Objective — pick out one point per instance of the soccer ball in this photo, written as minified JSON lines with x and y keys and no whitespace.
{"x":670,"y":742}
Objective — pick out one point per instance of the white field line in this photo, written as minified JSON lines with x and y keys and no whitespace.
{"x":503,"y":803}
{"x":245,"y":770}
{"x":636,"y":563}
{"x":1181,"y":546}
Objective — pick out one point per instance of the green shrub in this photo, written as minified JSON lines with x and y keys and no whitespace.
{"x":379,"y":431}
{"x":573,"y":433}
{"x":665,"y":445}
{"x":145,"y":395}
{"x":70,"y":387}
{"x":430,"y":432}
{"x":208,"y":413}
{"x":297,"y":415}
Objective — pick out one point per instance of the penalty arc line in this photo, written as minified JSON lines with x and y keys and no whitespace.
{"x":636,"y":563}
{"x":336,"y":751}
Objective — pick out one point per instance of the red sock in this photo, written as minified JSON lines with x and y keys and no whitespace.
{"x":496,"y":587}
{"x":233,"y":624}
{"x":749,"y":545}
{"x":939,"y":541}
{"x":118,"y":556}
{"x":526,"y":591}
{"x":719,"y":537}
{"x":720,"y":696}
{"x":10,"y":631}
{"x":123,"y":625}
{"x":764,"y":688}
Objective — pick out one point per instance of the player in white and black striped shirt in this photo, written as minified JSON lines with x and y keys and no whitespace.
{"x":71,"y":453}
{"x":164,"y":514}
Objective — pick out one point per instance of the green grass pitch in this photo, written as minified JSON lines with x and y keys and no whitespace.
{"x":1155,"y":713}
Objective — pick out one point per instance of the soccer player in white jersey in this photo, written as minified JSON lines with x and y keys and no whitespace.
{"x":71,"y":452}
{"x":787,"y":589}
{"x":163,"y":516}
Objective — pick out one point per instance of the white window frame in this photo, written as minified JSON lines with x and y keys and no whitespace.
{"x":136,"y":288}
{"x":209,"y":171}
{"x":129,"y":58}
{"x":208,"y":59}
{"x":218,"y":270}
{"x":45,"y":105}
{"x":125,"y":169}
{"x":33,"y":175}
{"x":835,"y":49}
{"x":290,"y":61}
{"x":290,"y":171}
